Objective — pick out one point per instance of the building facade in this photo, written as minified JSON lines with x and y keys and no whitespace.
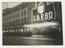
{"x":30,"y":12}
{"x":14,"y":18}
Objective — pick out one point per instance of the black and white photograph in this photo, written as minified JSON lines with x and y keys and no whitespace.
{"x":32,"y":23}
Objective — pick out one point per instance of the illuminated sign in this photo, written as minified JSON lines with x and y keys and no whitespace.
{"x":42,"y":13}
{"x":43,"y":16}
{"x":40,"y":8}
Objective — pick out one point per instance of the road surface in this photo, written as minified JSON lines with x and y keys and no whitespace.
{"x":32,"y":40}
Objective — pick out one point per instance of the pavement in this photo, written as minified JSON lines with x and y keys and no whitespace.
{"x":31,"y":40}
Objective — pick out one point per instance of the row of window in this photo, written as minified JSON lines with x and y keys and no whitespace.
{"x":16,"y":16}
{"x":16,"y":23}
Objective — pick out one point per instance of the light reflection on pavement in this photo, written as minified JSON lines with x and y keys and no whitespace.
{"x":33,"y":40}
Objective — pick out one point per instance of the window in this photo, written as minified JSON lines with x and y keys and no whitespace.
{"x":34,"y":11}
{"x":24,"y":12}
{"x":18,"y":14}
{"x":13,"y":16}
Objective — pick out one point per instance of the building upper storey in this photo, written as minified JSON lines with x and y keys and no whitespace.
{"x":18,"y":7}
{"x":21,"y":7}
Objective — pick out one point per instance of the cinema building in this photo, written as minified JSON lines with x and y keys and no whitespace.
{"x":24,"y":16}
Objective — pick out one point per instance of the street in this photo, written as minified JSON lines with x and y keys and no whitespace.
{"x":32,"y":40}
